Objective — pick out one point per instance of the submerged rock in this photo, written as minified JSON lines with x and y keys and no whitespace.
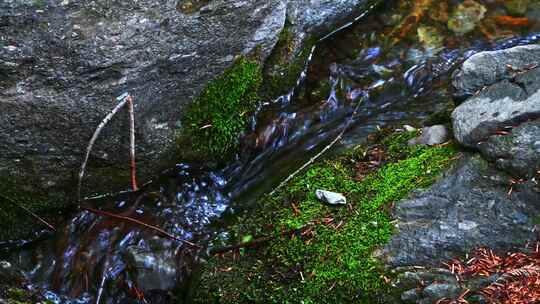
{"x":433,"y":135}
{"x":430,"y":36}
{"x":466,"y":17}
{"x":469,"y":207}
{"x":517,"y":152}
{"x":156,"y":270}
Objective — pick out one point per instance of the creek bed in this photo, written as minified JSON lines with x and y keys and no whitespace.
{"x":391,"y":67}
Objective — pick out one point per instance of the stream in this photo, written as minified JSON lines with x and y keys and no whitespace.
{"x":352,"y":80}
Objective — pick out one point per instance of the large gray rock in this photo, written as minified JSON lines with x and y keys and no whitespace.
{"x":517,"y":152}
{"x":486,"y":68}
{"x":469,"y":207}
{"x":500,"y":105}
{"x":63,"y":62}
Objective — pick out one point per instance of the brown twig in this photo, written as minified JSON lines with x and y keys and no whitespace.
{"x":37,"y":217}
{"x":132,"y":143}
{"x":140,"y":223}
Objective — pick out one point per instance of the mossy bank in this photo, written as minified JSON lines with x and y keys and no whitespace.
{"x":318,"y":253}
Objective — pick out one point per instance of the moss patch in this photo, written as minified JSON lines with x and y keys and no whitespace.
{"x":328,"y":256}
{"x":213,"y":123}
{"x":285,"y":63}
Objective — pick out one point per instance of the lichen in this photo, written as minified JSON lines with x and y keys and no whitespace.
{"x":214,"y":122}
{"x":328,"y":259}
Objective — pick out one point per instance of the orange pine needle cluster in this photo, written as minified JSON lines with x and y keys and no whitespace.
{"x":518,"y":274}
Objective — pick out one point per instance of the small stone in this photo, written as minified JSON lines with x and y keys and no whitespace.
{"x":430,"y":136}
{"x":331,"y":198}
{"x":466,"y":16}
{"x":409,"y":128}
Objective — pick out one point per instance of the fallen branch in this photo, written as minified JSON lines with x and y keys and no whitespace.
{"x":132,"y":143}
{"x":123,"y":100}
{"x":314,"y":158}
{"x":37,"y":217}
{"x":140,"y":223}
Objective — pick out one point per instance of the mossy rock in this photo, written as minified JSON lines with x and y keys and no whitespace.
{"x":286,"y":62}
{"x":328,"y":257}
{"x":214,"y":122}
{"x":18,"y":198}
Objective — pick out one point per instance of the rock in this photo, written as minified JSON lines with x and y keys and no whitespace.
{"x":466,"y":16}
{"x":409,"y":128}
{"x":430,"y":136}
{"x":62,"y":63}
{"x":487,"y":68}
{"x":156,"y":270}
{"x":9,"y":274}
{"x":410,"y":295}
{"x":503,"y":104}
{"x":331,"y":198}
{"x":437,"y":291}
{"x":469,"y":207}
{"x":438,"y":283}
{"x":518,"y":152}
{"x":308,"y":16}
{"x":516,"y":7}
{"x":14,"y":285}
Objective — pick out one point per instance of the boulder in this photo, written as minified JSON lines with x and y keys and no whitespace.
{"x":486,"y":68}
{"x":517,"y":152}
{"x":62,"y":63}
{"x":469,"y":207}
{"x":503,"y":104}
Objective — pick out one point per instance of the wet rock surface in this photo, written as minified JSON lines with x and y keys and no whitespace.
{"x":502,"y":104}
{"x":469,"y":207}
{"x":517,"y":152}
{"x":487,"y":68}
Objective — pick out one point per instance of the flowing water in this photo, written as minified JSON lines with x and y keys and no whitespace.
{"x":354,"y":79}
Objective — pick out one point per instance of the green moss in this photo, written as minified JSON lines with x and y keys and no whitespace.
{"x":213,"y":123}
{"x":328,"y":264}
{"x":14,"y":295}
{"x":285,"y":63}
